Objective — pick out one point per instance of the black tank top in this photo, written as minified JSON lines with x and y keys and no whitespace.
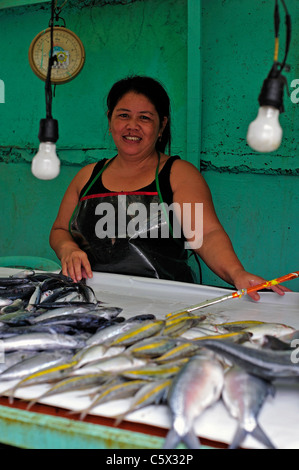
{"x":164,"y":180}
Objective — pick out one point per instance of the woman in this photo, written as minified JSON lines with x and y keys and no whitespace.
{"x":97,"y":228}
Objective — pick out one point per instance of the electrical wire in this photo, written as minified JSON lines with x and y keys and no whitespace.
{"x":288,"y":33}
{"x":48,"y":85}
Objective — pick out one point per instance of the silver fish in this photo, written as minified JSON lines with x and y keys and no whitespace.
{"x":95,"y":353}
{"x":113,"y":331}
{"x":13,"y":358}
{"x":31,"y":365}
{"x":40,"y":341}
{"x":112,"y":365}
{"x":197,"y":386}
{"x":60,"y":312}
{"x":244,"y":396}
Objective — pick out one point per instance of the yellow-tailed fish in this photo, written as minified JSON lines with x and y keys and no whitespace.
{"x":114,"y":392}
{"x":70,"y":384}
{"x":197,"y":386}
{"x":155,"y":371}
{"x":145,"y":330}
{"x":177,"y":326}
{"x":236,"y":337}
{"x":151,"y":347}
{"x":95,"y":353}
{"x":52,"y":373}
{"x":182,"y":350}
{"x":150,"y":393}
{"x":240,"y":325}
{"x":110,"y":365}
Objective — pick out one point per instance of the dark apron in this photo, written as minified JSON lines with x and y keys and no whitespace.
{"x":128,"y":233}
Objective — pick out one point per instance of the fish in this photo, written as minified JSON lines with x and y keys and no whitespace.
{"x":145,"y":330}
{"x":42,"y":360}
{"x":46,"y":315}
{"x":175,"y":326}
{"x":13,"y":307}
{"x":56,"y":372}
{"x":40,"y":341}
{"x":34,"y":299}
{"x":244,"y":396}
{"x":112,"y":332}
{"x":24,"y":291}
{"x":111,"y":364}
{"x":13,"y":358}
{"x":113,"y":392}
{"x":151,"y":347}
{"x":18,"y":317}
{"x":183,"y":350}
{"x":68,"y":384}
{"x":235,"y":336}
{"x":240,"y":325}
{"x":86,"y":321}
{"x":274,"y":329}
{"x":154,"y":371}
{"x":266,"y":364}
{"x":96,"y":352}
{"x":197,"y":386}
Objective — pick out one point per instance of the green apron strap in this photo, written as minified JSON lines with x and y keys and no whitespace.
{"x":88,"y":188}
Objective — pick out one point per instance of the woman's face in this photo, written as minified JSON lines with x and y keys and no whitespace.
{"x":135,"y":125}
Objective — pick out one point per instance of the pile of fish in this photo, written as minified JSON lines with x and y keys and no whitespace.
{"x":57,"y":333}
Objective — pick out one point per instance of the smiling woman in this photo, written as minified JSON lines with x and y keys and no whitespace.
{"x":97,"y":228}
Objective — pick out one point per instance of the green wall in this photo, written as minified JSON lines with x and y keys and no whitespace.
{"x":212,"y":57}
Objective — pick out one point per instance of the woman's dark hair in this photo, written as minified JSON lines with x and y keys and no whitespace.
{"x":154,"y":91}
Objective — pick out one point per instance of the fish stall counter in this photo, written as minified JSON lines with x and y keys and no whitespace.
{"x":53,"y":422}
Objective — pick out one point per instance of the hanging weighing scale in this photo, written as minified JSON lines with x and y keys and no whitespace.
{"x":68,"y":54}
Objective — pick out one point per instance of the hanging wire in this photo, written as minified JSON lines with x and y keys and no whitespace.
{"x":48,"y":85}
{"x":276,"y":27}
{"x":288,"y":33}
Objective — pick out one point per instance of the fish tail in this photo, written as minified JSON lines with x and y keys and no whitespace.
{"x":239,"y":437}
{"x":191,"y":440}
{"x":260,"y":435}
{"x":257,"y":433}
{"x":172,"y":440}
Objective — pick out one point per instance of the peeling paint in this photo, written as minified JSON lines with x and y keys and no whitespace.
{"x":206,"y":165}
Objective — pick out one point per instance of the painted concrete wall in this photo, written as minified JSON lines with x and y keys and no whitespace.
{"x":255,"y":195}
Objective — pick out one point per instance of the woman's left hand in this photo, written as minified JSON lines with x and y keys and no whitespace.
{"x":244,"y":280}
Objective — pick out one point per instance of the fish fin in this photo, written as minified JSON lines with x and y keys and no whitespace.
{"x":257,"y":433}
{"x":238,"y":438}
{"x":172,"y":440}
{"x":191,"y":440}
{"x":260,"y":435}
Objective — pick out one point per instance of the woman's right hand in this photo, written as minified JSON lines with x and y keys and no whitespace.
{"x":75,"y":264}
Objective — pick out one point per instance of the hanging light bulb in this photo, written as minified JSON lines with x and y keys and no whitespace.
{"x":265,"y":133}
{"x":46,"y":164}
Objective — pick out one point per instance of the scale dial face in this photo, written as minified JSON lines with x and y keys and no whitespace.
{"x":68,"y":52}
